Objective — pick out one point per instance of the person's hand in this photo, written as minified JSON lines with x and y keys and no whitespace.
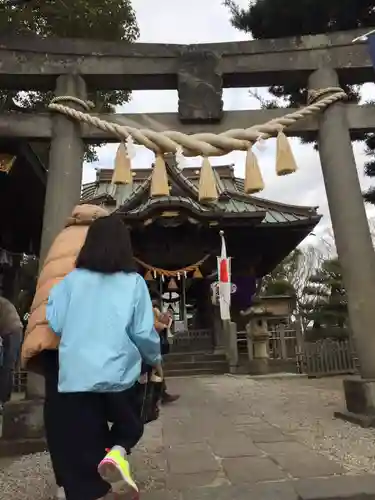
{"x":164,"y":318}
{"x":159,"y":327}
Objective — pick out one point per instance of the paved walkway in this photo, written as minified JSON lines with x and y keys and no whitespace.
{"x":233,"y":438}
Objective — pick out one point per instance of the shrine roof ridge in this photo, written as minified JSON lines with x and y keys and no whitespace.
{"x":232,"y":198}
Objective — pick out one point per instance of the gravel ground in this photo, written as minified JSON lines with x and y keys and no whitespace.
{"x":27,"y":478}
{"x":301,"y":407}
{"x":304,"y":408}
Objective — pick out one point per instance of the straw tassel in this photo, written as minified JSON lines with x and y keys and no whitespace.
{"x":197,"y":273}
{"x":253,"y":176}
{"x":159,"y":179}
{"x":122,"y":173}
{"x":285,"y":161}
{"x":148,"y":276}
{"x":207,"y":182}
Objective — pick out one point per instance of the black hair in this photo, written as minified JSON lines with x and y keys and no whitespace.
{"x":107,"y":248}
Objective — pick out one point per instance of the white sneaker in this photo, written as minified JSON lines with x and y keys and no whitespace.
{"x":60,"y":493}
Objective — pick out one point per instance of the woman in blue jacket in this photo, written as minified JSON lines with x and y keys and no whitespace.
{"x":102,"y":313}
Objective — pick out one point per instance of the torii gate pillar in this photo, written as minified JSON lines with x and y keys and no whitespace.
{"x":23,"y":425}
{"x":354,"y":245}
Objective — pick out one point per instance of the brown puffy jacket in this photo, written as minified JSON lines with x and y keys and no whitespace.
{"x":59,"y":262}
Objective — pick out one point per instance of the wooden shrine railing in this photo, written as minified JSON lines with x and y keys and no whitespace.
{"x":282,"y":344}
{"x":316,"y":359}
{"x":327,"y":357}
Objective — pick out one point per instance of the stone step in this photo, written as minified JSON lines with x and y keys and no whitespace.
{"x":195,"y":363}
{"x":194,"y":357}
{"x":194,"y":371}
{"x":217,"y":365}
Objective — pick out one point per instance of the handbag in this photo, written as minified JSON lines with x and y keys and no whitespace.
{"x":148,"y":398}
{"x":164,"y":343}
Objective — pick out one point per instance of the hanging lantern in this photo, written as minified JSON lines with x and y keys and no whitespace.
{"x":172,"y":285}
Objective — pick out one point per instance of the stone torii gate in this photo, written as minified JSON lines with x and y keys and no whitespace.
{"x":199,"y":73}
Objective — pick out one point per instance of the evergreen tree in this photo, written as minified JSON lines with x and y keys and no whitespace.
{"x":326,"y":302}
{"x":287,"y":18}
{"x":111,"y":20}
{"x":282,"y":280}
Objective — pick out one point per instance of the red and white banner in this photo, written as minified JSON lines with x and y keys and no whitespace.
{"x":225,"y":286}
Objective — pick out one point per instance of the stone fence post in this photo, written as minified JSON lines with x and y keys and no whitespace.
{"x":231,"y":346}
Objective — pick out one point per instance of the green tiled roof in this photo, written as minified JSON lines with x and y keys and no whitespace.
{"x":232,"y":199}
{"x":168,"y":199}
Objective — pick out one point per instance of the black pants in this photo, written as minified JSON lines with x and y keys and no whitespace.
{"x":78,"y":434}
{"x":164,"y":389}
{"x":121,"y":409}
{"x":164,"y":349}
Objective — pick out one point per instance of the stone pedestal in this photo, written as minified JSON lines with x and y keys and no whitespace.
{"x":259,"y":361}
{"x":257,"y":339}
{"x":23,"y":418}
{"x":23,"y":428}
{"x":360,"y":402}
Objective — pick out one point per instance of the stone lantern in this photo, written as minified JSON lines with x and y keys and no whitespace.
{"x":257,"y":338}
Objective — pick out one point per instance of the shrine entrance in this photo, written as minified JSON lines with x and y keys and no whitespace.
{"x":175,"y":212}
{"x":176,"y":240}
{"x":192,"y":329}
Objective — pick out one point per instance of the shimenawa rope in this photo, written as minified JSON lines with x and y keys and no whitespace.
{"x":203,"y":144}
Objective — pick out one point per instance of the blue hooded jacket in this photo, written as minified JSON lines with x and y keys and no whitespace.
{"x":106,"y":325}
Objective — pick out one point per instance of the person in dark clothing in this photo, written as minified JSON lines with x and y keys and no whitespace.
{"x":104,"y":339}
{"x":69,"y":424}
{"x":61,"y":434}
{"x":11,"y":330}
{"x":161,"y":323}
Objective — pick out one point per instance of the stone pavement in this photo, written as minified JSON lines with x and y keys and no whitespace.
{"x":235,"y":438}
{"x":222,"y":441}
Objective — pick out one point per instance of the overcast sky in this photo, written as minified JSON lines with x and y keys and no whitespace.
{"x":198,"y":21}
